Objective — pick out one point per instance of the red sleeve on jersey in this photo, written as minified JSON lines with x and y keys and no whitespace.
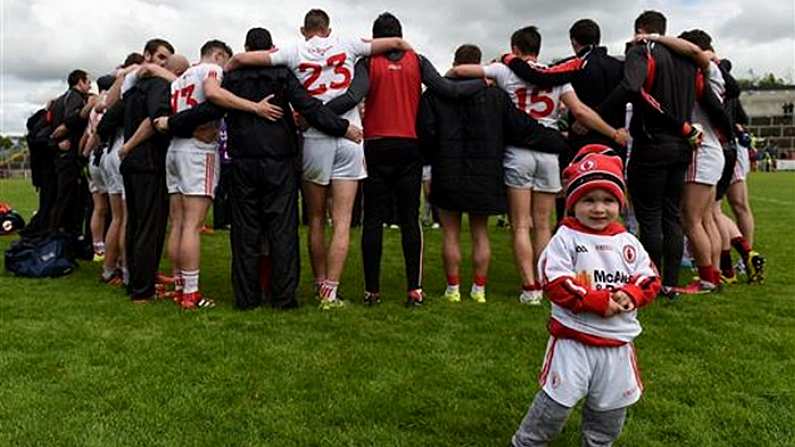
{"x":700,"y":85}
{"x":642,"y":289}
{"x":569,"y":293}
{"x":572,"y":64}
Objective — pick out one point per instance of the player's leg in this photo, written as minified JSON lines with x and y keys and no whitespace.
{"x":123,"y":259}
{"x":280,"y":208}
{"x":646,"y":186}
{"x":728,"y":275}
{"x":245,"y":232}
{"x":543,"y":205}
{"x":481,"y":255}
{"x":519,"y":209}
{"x":738,"y":200}
{"x":713,"y":233}
{"x":317,"y":164}
{"x":377,"y":207}
{"x":176,"y":216}
{"x":695,"y":203}
{"x":194,"y":213}
{"x":520,"y":166}
{"x":543,"y":422}
{"x":408,"y":187}
{"x":546,"y":185}
{"x":112,"y":246}
{"x":451,"y":253}
{"x":343,"y":192}
{"x":672,"y":235}
{"x":197,"y":179}
{"x":315,"y":195}
{"x":98,"y":218}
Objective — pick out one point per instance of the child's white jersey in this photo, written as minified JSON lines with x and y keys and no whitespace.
{"x":584,"y":262}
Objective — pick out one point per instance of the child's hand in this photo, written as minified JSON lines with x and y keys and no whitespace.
{"x":623,"y":300}
{"x":613,"y":308}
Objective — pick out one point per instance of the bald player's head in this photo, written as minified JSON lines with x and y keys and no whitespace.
{"x":177,"y":64}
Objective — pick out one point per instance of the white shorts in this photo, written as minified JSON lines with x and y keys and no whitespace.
{"x":327,"y":159}
{"x":192,"y":167}
{"x":743,"y":165}
{"x":96,"y":178}
{"x":607,"y":376}
{"x":110,"y":168}
{"x":426,"y":173}
{"x":527,"y":169}
{"x":706,"y":165}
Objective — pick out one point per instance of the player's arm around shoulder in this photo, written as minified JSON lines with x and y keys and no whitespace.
{"x":382,"y":45}
{"x":259,"y":58}
{"x":588,"y":117}
{"x":468,"y":71}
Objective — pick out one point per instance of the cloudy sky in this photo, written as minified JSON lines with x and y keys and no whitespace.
{"x":42,"y":40}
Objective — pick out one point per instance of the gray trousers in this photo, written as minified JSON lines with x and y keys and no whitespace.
{"x":545,"y":420}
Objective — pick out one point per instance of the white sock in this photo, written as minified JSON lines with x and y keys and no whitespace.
{"x":99,"y":247}
{"x":125,"y":275}
{"x":478,"y":289}
{"x":107,"y":272}
{"x":453,"y":288}
{"x":191,"y":281}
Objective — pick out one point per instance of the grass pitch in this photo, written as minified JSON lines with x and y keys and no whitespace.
{"x":80,"y":365}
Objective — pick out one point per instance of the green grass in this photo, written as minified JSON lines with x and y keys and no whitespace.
{"x":80,"y":365}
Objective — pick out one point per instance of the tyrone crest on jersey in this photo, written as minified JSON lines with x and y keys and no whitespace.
{"x":587,"y":165}
{"x":630,"y":254}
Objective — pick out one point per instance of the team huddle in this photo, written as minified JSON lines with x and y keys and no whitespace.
{"x":657,"y":136}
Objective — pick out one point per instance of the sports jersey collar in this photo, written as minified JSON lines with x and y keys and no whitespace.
{"x":611,"y":229}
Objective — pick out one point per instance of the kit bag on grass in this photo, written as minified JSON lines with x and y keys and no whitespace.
{"x":47,"y":256}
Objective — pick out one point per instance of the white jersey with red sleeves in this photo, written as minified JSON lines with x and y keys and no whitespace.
{"x":325,"y":66}
{"x":581,"y":267}
{"x":542,"y":104}
{"x":715,"y":81}
{"x":187,"y":91}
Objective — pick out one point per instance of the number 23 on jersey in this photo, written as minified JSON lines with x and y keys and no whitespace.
{"x":337,"y":63}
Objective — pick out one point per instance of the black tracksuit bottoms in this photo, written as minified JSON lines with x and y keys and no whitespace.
{"x":221,"y":202}
{"x":656,"y":194}
{"x":147,"y":217}
{"x":264,"y":204}
{"x":68,"y":207}
{"x":394,"y":169}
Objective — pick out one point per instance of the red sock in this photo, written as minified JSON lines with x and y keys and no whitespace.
{"x":715,"y":276}
{"x":705,"y":273}
{"x":528,"y":287}
{"x":537,"y":285}
{"x":741,"y":245}
{"x":479,"y":280}
{"x":453,"y":280}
